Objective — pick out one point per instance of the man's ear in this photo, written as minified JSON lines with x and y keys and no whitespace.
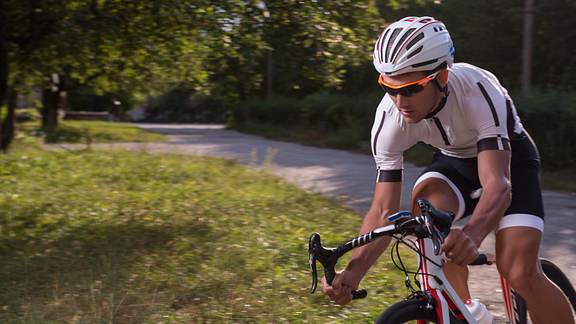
{"x":443,"y":77}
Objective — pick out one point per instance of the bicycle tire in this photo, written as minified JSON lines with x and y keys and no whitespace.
{"x":411,"y":310}
{"x":558,"y":277}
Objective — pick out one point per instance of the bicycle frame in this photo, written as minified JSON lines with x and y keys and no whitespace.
{"x":511,"y":303}
{"x":446,"y":297}
{"x":430,"y":229}
{"x":434,"y":281}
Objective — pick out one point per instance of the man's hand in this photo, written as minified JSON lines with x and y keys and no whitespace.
{"x":459,"y":248}
{"x":342,"y":286}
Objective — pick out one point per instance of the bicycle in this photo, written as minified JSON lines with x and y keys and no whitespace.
{"x":433,"y":300}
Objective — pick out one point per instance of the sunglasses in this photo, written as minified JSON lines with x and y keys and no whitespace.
{"x":406,"y":90}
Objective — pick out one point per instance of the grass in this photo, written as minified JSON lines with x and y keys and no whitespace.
{"x":130,"y":237}
{"x":87,"y":132}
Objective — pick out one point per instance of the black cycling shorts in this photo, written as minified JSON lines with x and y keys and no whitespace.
{"x":526,"y":207}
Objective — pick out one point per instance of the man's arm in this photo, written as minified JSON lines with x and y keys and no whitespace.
{"x":494,"y":172}
{"x":386,"y":201}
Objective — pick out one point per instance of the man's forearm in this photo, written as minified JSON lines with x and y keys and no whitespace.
{"x":365,"y":256}
{"x":488,"y":213}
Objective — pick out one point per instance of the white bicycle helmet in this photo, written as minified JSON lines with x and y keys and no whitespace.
{"x":413,"y":44}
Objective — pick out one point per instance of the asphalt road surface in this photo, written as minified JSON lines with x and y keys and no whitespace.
{"x":350,"y":177}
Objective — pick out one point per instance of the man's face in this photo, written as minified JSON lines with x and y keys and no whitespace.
{"x":417,"y":106}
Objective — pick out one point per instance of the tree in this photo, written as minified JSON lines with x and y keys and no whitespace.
{"x":311,"y":43}
{"x":489,"y":34}
{"x":134,"y":43}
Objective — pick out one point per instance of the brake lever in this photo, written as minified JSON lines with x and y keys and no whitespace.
{"x":318,"y":253}
{"x":314,"y":239}
{"x":429,"y":225}
{"x":327,"y":258}
{"x":312,"y":261}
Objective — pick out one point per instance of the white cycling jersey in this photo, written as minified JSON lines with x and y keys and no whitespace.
{"x":478,"y":115}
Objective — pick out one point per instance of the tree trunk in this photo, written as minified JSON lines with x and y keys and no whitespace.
{"x":270,"y":76}
{"x":8,"y":130}
{"x":3,"y":71}
{"x":51,"y":98}
{"x":527,"y":46}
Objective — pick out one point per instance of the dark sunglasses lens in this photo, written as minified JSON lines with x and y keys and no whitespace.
{"x":390,"y":91}
{"x":405,"y":91}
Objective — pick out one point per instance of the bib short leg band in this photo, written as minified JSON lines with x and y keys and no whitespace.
{"x":526,"y":207}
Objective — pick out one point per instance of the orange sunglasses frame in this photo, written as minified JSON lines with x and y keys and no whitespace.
{"x":422,"y":82}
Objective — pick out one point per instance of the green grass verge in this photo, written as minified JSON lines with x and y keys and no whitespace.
{"x":130,"y":237}
{"x":87,"y":132}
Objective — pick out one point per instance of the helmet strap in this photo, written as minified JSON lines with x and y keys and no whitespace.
{"x":442,"y":102}
{"x":439,"y":87}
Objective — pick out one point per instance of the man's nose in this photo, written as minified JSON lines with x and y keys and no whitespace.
{"x":401,"y":101}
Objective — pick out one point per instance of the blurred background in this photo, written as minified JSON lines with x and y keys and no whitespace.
{"x":118,"y":236}
{"x":269,"y":67}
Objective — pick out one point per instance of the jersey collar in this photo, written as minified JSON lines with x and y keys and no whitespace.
{"x":441,"y":104}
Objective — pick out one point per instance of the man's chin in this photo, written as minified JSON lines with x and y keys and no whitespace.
{"x":412,"y":120}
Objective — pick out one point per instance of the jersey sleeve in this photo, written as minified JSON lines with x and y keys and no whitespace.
{"x":487,"y":111}
{"x":388,"y":145}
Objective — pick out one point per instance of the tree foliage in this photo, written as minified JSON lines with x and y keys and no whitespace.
{"x":136,"y":44}
{"x":311,"y":43}
{"x":489,"y":33}
{"x":239,"y":49}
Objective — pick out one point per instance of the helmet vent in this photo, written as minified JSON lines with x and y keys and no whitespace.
{"x":439,"y":29}
{"x":391,"y":41}
{"x":414,"y":41}
{"x":399,"y":43}
{"x":381,"y":51}
{"x":416,"y":51}
{"x":424,"y":63}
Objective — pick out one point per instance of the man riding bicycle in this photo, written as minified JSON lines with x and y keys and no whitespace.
{"x":481,"y":146}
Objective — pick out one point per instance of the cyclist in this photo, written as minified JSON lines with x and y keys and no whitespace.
{"x":470,"y":119}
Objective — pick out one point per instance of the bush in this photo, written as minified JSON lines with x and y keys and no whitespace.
{"x":344,"y":122}
{"x":325,"y":110}
{"x":283,"y":111}
{"x":321,"y":119}
{"x":550,"y":118}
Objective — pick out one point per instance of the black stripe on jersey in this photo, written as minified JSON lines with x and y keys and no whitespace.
{"x":441,"y":129}
{"x":389,"y":176}
{"x":490,"y":103}
{"x":378,"y":133}
{"x":493,"y":143}
{"x":510,"y":121}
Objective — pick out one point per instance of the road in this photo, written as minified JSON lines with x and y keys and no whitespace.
{"x":339,"y":174}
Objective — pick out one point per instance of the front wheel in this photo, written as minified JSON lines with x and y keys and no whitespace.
{"x":411,"y":311}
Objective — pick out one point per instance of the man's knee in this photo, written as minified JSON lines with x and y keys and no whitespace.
{"x":439,"y":192}
{"x":517,"y":257}
{"x":525,"y":278}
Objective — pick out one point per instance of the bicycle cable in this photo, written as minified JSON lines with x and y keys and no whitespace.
{"x":396,"y":248}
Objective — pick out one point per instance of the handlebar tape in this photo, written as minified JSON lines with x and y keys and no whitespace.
{"x":359,"y":294}
{"x":482,"y":259}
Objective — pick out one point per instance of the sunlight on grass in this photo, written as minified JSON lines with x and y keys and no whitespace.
{"x":87,"y":132}
{"x":127,"y":237}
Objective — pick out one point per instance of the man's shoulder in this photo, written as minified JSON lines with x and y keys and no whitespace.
{"x":466,"y":79}
{"x":468,"y":73}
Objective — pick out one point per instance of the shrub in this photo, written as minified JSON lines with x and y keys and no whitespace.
{"x":550,"y":118}
{"x":277,"y":111}
{"x":345,"y":121}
